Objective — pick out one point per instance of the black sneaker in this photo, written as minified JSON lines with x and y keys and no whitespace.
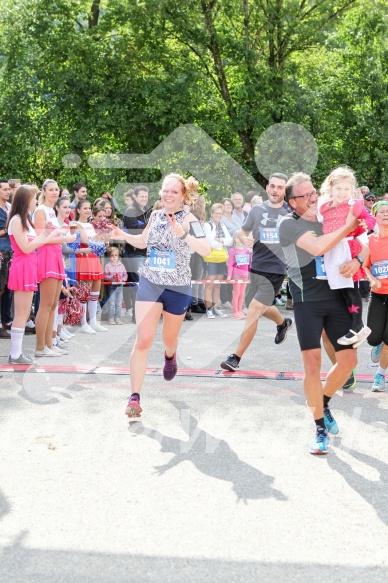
{"x":350,"y":383}
{"x":281,"y":334}
{"x":231,"y":363}
{"x":196,"y":309}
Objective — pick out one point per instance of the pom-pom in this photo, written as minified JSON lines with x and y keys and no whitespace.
{"x":74,"y":246}
{"x":98,"y":247}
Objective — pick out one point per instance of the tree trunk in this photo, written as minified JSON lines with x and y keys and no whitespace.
{"x":94,"y":13}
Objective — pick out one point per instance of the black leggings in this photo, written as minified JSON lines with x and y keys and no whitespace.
{"x":378,"y":319}
{"x":353,"y":301}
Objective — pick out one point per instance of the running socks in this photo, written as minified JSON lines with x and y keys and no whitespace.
{"x":320,"y":424}
{"x":326,"y":401}
{"x":16,"y":342}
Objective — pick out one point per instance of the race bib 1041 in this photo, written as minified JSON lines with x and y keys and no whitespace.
{"x":161,"y":260}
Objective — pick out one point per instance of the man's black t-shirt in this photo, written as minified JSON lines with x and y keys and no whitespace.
{"x":263,"y":220}
{"x":301,"y":265}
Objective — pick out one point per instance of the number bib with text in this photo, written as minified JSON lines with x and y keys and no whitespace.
{"x":380,"y":269}
{"x":320,"y":268}
{"x":162,"y":260}
{"x":269,"y":235}
{"x":242,"y":259}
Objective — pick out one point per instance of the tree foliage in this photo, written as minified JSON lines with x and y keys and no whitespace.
{"x":113,"y":76}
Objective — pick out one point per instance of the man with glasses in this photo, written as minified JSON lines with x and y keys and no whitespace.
{"x":316,"y":306}
{"x":268,"y":267}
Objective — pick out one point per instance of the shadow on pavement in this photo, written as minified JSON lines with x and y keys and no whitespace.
{"x":4,"y":506}
{"x":211,"y":456}
{"x":373,"y":492}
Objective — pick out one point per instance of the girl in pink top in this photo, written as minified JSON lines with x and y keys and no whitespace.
{"x":238,"y":268}
{"x":341,"y":187}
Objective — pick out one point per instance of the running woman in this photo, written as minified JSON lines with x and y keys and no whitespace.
{"x":165,"y":279}
{"x":89,"y":267}
{"x":51,"y":270}
{"x":23,"y":273}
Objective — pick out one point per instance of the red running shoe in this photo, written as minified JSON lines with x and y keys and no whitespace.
{"x":133,"y":410}
{"x":170,"y":368}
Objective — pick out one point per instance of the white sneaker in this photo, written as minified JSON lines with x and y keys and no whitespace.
{"x":279,"y":302}
{"x":356,"y":339}
{"x":62,"y":347}
{"x":86,"y":329}
{"x":362,"y":336}
{"x":67,"y":331}
{"x":97,"y":328}
{"x":210,"y":315}
{"x":220,"y":313}
{"x":58,"y":351}
{"x":226,"y":306}
{"x":46,"y":352}
{"x":61,"y":339}
{"x":65,"y":335}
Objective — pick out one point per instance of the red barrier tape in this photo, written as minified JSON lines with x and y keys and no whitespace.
{"x":218,"y":281}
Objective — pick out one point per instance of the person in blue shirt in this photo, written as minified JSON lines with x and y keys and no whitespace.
{"x":5,"y":243}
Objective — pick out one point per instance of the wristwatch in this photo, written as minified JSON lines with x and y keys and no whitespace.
{"x":360,"y":259}
{"x":184,"y":236}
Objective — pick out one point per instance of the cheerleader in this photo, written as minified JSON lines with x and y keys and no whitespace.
{"x":50,"y":270}
{"x":23,"y":273}
{"x":89,"y":267}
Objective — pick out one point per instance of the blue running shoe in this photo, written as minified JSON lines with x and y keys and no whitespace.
{"x":330,"y":422}
{"x":375,"y":353}
{"x":320,"y":444}
{"x":378,"y":383}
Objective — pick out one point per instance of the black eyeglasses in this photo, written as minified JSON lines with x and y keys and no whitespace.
{"x":306,"y":196}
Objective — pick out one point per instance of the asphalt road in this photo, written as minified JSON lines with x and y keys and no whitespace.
{"x":214,"y":485}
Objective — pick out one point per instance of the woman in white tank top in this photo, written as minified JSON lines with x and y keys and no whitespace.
{"x":24,"y":264}
{"x":51,"y":271}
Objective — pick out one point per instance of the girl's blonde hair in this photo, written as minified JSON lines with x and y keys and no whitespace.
{"x":340,"y":173}
{"x":42,"y":196}
{"x":239,"y":234}
{"x":189,"y":187}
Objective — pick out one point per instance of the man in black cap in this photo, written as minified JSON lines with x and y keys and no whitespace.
{"x":369,"y":200}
